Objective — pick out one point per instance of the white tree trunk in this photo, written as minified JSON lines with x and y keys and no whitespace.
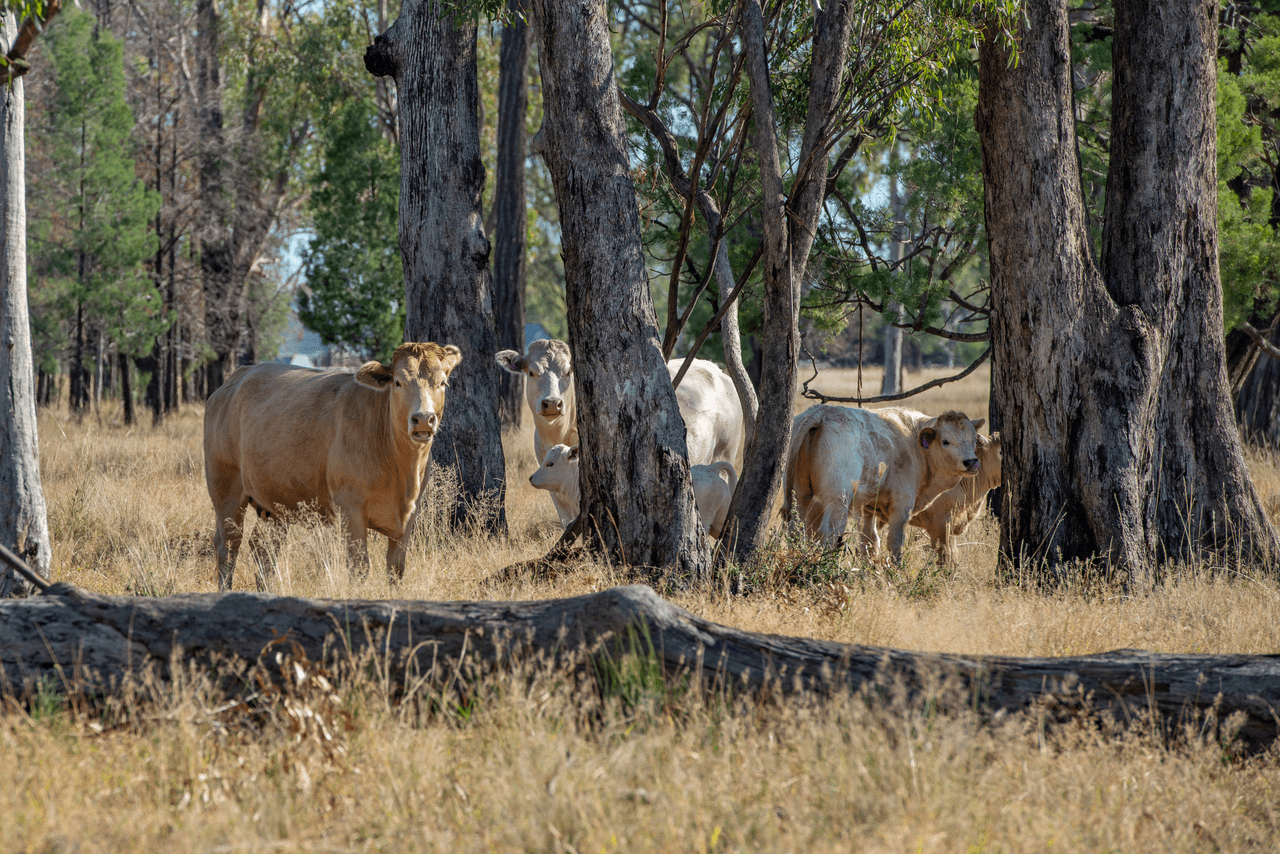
{"x":891,"y":384}
{"x":24,"y":526}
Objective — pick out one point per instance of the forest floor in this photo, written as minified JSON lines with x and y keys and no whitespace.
{"x":533,"y":761}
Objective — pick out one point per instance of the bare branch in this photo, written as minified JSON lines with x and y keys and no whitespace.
{"x":885,"y":398}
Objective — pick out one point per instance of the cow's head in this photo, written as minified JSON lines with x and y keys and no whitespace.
{"x":951,"y":443}
{"x":416,"y":379}
{"x":559,"y":470}
{"x":549,"y":368}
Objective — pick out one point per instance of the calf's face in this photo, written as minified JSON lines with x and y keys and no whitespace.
{"x":951,"y":443}
{"x":549,"y":369}
{"x":416,"y":381}
{"x":559,"y":470}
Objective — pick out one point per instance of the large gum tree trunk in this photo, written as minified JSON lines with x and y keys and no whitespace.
{"x":637,"y":500}
{"x":24,"y":526}
{"x":509,"y":209}
{"x":1110,"y":382}
{"x":431,"y":53}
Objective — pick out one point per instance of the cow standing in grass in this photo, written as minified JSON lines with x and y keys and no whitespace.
{"x":955,"y":510}
{"x":548,"y":388}
{"x":886,"y":465}
{"x":353,"y":447}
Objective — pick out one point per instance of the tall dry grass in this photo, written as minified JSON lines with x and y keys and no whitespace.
{"x":537,"y":761}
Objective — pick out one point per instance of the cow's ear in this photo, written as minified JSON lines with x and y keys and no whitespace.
{"x":374,"y":375}
{"x":977,"y":425}
{"x":927,"y":435}
{"x":995,"y":439}
{"x":573,"y":454}
{"x":452,"y":356}
{"x":510,"y":361}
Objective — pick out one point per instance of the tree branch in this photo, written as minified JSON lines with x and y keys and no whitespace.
{"x":885,"y":398}
{"x":15,"y":61}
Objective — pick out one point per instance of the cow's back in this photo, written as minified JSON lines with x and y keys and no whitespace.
{"x":268,"y":431}
{"x":711,"y":410}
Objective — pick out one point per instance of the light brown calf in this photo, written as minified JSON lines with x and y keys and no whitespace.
{"x":353,"y":447}
{"x":957,"y":508}
{"x":884,"y":464}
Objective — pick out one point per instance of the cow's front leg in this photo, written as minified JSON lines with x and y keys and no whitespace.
{"x":898,"y":531}
{"x":870,"y":533}
{"x":353,"y":524}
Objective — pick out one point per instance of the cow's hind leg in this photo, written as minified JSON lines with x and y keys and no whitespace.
{"x":264,"y":544}
{"x":227,"y":530}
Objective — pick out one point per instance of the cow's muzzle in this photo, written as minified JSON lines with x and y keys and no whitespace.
{"x":551,"y":407}
{"x":972,"y":466}
{"x":422,"y":426}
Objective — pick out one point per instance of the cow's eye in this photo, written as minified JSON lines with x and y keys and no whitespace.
{"x":397,"y":383}
{"x":551,"y":465}
{"x":945,"y":442}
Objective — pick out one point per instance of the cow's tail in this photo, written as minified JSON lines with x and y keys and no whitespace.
{"x":798,"y":482}
{"x":729,"y":471}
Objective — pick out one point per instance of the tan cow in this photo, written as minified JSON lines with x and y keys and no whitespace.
{"x":885,"y":464}
{"x":956,"y":509}
{"x":353,"y":447}
{"x":548,"y":388}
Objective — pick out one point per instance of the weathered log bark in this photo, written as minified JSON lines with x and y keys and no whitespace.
{"x":24,"y":525}
{"x":91,"y":643}
{"x":510,"y":221}
{"x":448,"y":289}
{"x":1109,"y":380}
{"x":636,"y":491}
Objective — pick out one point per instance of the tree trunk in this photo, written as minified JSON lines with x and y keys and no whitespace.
{"x":510,"y":223}
{"x":126,"y":389}
{"x":221,"y":298}
{"x":1257,"y":403}
{"x":637,"y":499}
{"x":448,"y":289}
{"x":24,"y":526}
{"x":92,"y":643}
{"x":892,"y":382}
{"x":789,"y":228}
{"x":1136,"y":461}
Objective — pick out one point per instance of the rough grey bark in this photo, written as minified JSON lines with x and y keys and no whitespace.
{"x":510,"y":223}
{"x":1111,"y":386}
{"x":1257,"y":403}
{"x":637,"y":499}
{"x":789,"y":228}
{"x":24,"y":525}
{"x":94,"y":642}
{"x":448,"y":289}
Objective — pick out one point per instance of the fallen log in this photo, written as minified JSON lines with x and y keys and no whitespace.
{"x":92,"y":642}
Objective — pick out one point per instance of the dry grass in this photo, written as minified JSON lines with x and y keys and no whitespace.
{"x":532,"y":762}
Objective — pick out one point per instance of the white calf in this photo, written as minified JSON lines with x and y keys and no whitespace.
{"x":558,"y":475}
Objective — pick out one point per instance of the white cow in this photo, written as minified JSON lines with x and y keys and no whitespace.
{"x":885,"y":464}
{"x":713,"y":494}
{"x":711,"y":411}
{"x":549,"y":390}
{"x":558,"y":475}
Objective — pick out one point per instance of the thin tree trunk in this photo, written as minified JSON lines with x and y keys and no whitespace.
{"x":637,"y":500}
{"x":24,"y":526}
{"x":892,"y":382}
{"x":448,"y":289}
{"x":1137,"y":461}
{"x":510,"y":224}
{"x":789,"y":229}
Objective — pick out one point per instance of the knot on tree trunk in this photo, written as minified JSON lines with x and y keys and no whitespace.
{"x":378,"y":58}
